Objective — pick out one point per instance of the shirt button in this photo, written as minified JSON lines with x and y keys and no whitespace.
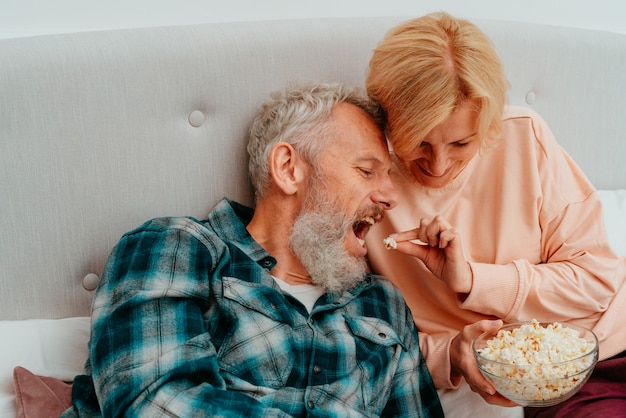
{"x":311,"y":404}
{"x":317,"y":369}
{"x":382,"y":335}
{"x":267,"y":263}
{"x":273,"y":305}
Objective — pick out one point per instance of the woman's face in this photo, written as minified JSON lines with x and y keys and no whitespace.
{"x":446,"y":150}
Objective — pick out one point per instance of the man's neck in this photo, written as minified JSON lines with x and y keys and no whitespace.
{"x":270,"y":227}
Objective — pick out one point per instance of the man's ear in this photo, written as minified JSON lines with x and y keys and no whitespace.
{"x":287,"y":168}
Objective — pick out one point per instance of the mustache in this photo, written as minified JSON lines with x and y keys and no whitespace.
{"x":377,"y":212}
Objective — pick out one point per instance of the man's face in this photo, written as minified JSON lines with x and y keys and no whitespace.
{"x":355,"y":170}
{"x":347,"y":195}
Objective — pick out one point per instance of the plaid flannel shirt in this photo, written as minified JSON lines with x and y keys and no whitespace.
{"x":188,"y":322}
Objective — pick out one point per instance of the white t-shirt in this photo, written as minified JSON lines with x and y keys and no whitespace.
{"x":307,"y":294}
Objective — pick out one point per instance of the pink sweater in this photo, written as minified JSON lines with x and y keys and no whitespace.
{"x":533,"y":232}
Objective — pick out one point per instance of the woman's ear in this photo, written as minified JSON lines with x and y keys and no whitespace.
{"x":287,"y":168}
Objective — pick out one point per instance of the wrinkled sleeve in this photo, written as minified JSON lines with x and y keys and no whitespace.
{"x":436,"y":351}
{"x":150,"y":352}
{"x":578,"y":273}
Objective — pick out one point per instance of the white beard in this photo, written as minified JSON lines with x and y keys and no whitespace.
{"x":318,"y":238}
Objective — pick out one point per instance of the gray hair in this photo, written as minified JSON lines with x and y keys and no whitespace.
{"x":299,"y":116}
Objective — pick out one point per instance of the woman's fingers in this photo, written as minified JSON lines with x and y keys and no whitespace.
{"x":405,"y":235}
{"x":462,"y":361}
{"x":434,"y":232}
{"x":446,"y":237}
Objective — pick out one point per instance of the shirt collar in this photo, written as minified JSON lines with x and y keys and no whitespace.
{"x":229,"y":219}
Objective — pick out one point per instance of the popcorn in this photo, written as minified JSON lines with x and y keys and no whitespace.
{"x":390,"y":243}
{"x":538,"y":360}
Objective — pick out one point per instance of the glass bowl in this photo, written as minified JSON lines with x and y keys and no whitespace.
{"x":537,"y":364}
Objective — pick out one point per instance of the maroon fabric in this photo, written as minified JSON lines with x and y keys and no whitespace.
{"x":604,"y":395}
{"x":40,"y":396}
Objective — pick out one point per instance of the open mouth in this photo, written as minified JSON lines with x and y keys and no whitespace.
{"x":361,"y":228}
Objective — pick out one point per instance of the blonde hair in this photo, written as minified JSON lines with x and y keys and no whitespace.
{"x":425,"y":67}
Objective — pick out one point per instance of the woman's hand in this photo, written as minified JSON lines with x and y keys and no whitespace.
{"x":463,"y":363}
{"x":440,"y":249}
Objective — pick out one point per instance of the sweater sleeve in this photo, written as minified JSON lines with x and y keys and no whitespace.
{"x":576,"y":276}
{"x":436,"y":350}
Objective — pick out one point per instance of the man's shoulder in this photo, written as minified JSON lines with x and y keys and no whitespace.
{"x":182,"y":232}
{"x":171,"y":224}
{"x":377,"y":279}
{"x":376,"y":282}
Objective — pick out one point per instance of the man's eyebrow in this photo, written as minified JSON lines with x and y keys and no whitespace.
{"x":367,"y":157}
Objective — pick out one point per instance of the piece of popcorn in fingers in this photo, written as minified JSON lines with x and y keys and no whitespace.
{"x":390,"y":243}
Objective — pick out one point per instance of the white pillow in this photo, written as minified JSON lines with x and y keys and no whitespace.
{"x":47,"y":347}
{"x":614,"y":209}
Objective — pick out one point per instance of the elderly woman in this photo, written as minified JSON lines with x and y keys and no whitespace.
{"x":528,"y":238}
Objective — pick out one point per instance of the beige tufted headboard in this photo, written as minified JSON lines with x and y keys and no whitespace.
{"x":102,"y":131}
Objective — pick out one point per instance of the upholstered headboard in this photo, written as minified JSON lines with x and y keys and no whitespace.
{"x":101,"y":131}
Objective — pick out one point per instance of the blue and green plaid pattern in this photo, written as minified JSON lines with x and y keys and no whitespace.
{"x":188,"y":322}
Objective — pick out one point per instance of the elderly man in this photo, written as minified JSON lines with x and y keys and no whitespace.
{"x":266,"y":312}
